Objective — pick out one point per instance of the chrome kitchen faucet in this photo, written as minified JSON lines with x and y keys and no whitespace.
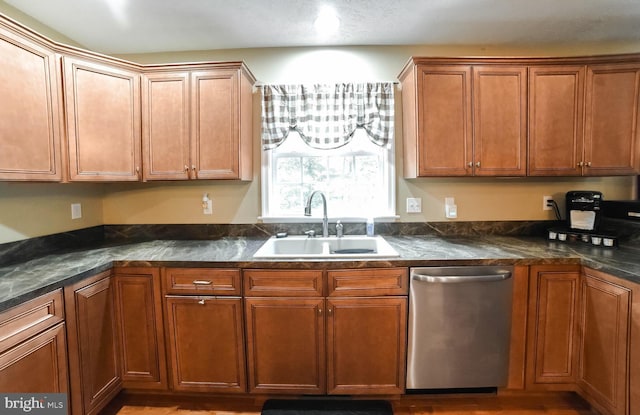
{"x":325,"y":219}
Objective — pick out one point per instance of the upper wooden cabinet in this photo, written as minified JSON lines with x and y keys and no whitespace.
{"x":438,"y":134}
{"x":517,"y":116}
{"x":29,"y":114}
{"x":464,"y":120}
{"x":611,"y":114}
{"x":583,"y":120}
{"x":103,"y":121}
{"x":556,"y":103}
{"x":197,"y":124}
{"x":499,"y":120}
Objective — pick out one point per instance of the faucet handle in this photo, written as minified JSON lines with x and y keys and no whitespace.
{"x":310,"y":233}
{"x":339,"y":229}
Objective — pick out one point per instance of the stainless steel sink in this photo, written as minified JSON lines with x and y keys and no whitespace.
{"x":351,"y":246}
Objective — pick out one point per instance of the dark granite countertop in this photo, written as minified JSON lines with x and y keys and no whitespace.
{"x":23,"y":281}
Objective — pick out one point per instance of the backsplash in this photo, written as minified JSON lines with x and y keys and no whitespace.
{"x":24,"y":250}
{"x":117,"y":233}
{"x":14,"y":252}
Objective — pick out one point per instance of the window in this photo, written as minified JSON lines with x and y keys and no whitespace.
{"x":357,"y":179}
{"x":310,"y":142}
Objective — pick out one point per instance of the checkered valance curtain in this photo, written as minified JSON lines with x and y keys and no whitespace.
{"x":326,"y":116}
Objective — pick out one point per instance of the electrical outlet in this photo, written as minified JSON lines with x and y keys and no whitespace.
{"x":545,"y":204}
{"x":414,"y":205}
{"x":76,"y":211}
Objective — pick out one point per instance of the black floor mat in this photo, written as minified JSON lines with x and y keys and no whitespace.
{"x":326,"y":407}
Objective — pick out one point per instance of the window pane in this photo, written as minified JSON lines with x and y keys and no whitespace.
{"x":357,"y":179}
{"x":288,"y":170}
{"x":314,"y":169}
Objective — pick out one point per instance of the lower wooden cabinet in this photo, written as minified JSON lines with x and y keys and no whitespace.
{"x":139,"y":318}
{"x":206,"y":343}
{"x":604,"y":343}
{"x":94,"y":357}
{"x":553,"y":327}
{"x":366,"y":345}
{"x":286,"y":345}
{"x":38,"y":365}
{"x":351,"y":340}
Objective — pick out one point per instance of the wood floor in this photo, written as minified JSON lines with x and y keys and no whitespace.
{"x":548,"y":404}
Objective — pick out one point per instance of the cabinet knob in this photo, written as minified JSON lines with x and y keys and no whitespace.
{"x":195,"y":173}
{"x":588,"y":164}
{"x":470,"y":164}
{"x":477,"y":164}
{"x":201,"y":301}
{"x":320,"y":311}
{"x":330,"y":311}
{"x":580,"y":164}
{"x":186,"y":168}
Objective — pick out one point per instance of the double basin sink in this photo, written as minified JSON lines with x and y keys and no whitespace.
{"x":351,"y":246}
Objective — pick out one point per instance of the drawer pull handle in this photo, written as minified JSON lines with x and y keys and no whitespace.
{"x":201,"y":282}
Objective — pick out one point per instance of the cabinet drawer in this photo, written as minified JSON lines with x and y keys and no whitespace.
{"x":205,"y":281}
{"x":25,"y":320}
{"x":289,"y":283}
{"x":361,"y":282}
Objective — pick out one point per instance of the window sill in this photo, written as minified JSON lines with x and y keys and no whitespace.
{"x":316,"y":219}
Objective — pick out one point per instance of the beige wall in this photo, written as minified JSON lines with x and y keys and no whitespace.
{"x":477,"y":198}
{"x":29,"y":210}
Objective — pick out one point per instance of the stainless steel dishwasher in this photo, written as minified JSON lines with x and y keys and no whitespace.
{"x":459,"y":327}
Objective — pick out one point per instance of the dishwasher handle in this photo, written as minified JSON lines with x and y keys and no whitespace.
{"x":448,"y":279}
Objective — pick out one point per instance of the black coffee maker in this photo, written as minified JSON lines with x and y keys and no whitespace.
{"x":583,"y":210}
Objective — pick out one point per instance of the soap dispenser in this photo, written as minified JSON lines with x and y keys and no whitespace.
{"x":370,"y":226}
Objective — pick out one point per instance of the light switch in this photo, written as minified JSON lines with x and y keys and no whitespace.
{"x":450,"y":208}
{"x":76,"y":211}
{"x":207,"y":204}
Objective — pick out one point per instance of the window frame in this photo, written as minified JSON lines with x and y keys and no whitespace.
{"x":268,"y":177}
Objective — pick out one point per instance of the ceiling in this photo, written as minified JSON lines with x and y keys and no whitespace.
{"x":142,"y":26}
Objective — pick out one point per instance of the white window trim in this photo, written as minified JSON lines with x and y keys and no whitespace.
{"x":266,"y":177}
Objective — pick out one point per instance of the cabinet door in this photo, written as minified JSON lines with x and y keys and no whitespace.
{"x":611,"y":131}
{"x":94,"y":358}
{"x":603,"y":367}
{"x":553,"y":324}
{"x":215,"y":117}
{"x":29,"y":114}
{"x":285,"y":345}
{"x":366,"y":345}
{"x":139,"y":314}
{"x":103,"y":121}
{"x":556,"y":103}
{"x":206,"y":347}
{"x":500,"y":120}
{"x":38,"y":365}
{"x":444,"y":143}
{"x":165,"y":126}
